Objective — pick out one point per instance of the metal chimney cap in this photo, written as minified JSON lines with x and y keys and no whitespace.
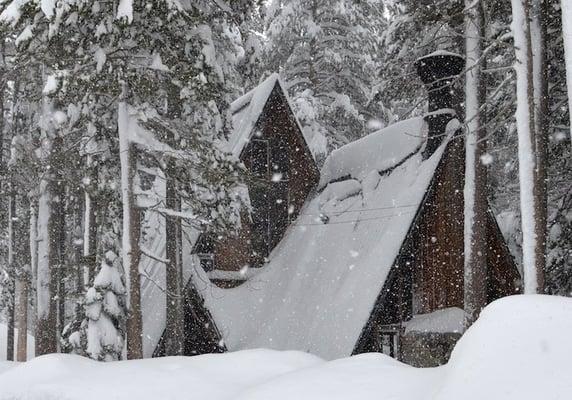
{"x":439,"y":65}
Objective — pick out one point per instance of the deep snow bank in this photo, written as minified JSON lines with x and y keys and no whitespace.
{"x":520,"y":348}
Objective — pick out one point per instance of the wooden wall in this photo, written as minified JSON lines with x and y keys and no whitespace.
{"x":439,"y":238}
{"x":429,"y":272}
{"x":277,"y":124}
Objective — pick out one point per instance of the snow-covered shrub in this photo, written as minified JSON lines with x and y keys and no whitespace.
{"x":100,"y":335}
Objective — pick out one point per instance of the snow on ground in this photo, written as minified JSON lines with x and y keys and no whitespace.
{"x":3,"y":332}
{"x":518,"y":350}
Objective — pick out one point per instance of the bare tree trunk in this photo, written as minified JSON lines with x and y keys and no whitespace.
{"x":174,"y":279}
{"x":174,"y":274}
{"x":46,"y":327}
{"x":566,"y":6}
{"x":22,"y":320}
{"x":525,"y":112}
{"x":90,"y":224}
{"x":11,"y":276}
{"x":540,"y":82}
{"x":131,"y":233}
{"x":33,"y":234}
{"x":23,"y":288}
{"x":475,"y":192}
{"x":58,"y":241}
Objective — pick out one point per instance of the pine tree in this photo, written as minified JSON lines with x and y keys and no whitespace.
{"x":90,"y":51}
{"x":327,"y":52}
{"x":101,"y":336}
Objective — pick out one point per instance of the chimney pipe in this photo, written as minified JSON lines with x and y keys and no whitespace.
{"x":437,"y":71}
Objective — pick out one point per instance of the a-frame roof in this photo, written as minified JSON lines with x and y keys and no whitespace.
{"x":323,"y":279}
{"x":247,"y":110}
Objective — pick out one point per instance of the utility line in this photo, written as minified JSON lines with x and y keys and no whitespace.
{"x":358,"y":220}
{"x":359,"y":210}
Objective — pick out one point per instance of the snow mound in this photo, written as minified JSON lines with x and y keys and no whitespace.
{"x":518,"y":350}
{"x":212,"y":377}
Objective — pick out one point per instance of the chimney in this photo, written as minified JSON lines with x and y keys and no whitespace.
{"x":437,"y":71}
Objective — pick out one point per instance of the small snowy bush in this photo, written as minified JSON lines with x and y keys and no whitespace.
{"x":100,"y":334}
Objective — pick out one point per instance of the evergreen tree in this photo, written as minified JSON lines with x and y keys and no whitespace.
{"x":327,"y":53}
{"x":101,"y":335}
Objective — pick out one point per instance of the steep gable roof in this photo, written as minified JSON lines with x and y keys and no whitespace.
{"x":246,"y":111}
{"x":323,"y":279}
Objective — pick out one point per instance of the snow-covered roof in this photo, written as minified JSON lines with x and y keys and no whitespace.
{"x":378,"y":151}
{"x":323,"y":278}
{"x":446,"y":320}
{"x":246,"y":110}
{"x":440,"y":53}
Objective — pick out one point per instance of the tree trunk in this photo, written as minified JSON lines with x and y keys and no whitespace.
{"x":475,"y":192}
{"x":46,"y":287}
{"x":33,"y":234}
{"x":90,"y":224}
{"x":22,"y":283}
{"x":58,"y":241}
{"x":566,"y":6}
{"x":11,"y":273}
{"x":131,"y":233}
{"x":174,"y":279}
{"x":525,"y":110}
{"x":540,"y":82}
{"x":22,"y":320}
{"x":174,"y":274}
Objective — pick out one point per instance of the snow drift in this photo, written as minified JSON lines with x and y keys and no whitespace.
{"x":518,"y":349}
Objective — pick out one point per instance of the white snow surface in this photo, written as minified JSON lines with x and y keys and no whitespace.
{"x":441,"y":321}
{"x":440,"y":53}
{"x":378,"y":151}
{"x":125,"y":10}
{"x":322,"y":280}
{"x":519,"y":349}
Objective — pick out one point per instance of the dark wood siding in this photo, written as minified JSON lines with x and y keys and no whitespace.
{"x":432,"y":255}
{"x":438,"y":254}
{"x":282,"y":175}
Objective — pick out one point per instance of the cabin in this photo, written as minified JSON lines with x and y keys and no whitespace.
{"x":368,"y":255}
{"x":268,"y":139}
